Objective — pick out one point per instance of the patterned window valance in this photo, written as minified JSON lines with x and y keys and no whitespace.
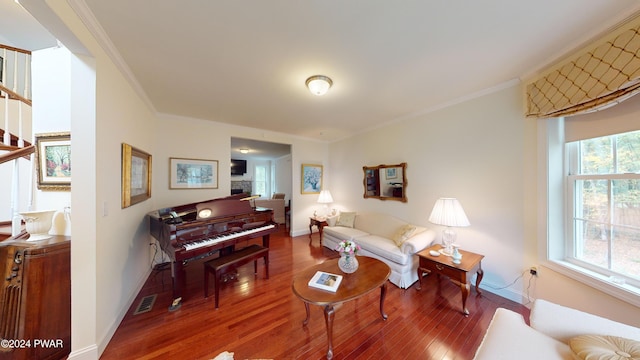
{"x":602,"y":75}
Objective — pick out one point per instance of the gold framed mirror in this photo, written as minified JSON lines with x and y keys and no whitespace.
{"x":385,"y":182}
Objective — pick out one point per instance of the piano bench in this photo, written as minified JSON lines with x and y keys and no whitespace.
{"x":226,"y":263}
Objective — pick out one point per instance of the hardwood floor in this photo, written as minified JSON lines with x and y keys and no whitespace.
{"x":262,"y":319}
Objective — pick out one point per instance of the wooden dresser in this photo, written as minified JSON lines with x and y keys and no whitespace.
{"x":35,"y":298}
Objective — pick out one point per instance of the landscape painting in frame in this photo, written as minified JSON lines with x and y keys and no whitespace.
{"x":193,"y":174}
{"x":53,"y":161}
{"x":136,"y":175}
{"x":311,"y":179}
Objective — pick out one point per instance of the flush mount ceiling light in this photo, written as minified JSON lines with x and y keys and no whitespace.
{"x":319,"y":84}
{"x":244,"y":150}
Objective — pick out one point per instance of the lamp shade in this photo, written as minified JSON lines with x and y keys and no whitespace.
{"x":448,"y":212}
{"x":325,"y":197}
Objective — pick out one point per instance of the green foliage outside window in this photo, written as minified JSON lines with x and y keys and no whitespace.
{"x":607,"y":203}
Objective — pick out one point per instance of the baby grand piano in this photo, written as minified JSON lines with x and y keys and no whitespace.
{"x":198,"y":230}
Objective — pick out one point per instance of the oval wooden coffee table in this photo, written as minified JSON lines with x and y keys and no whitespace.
{"x":371,"y":274}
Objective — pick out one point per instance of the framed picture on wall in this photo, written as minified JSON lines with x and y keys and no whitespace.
{"x":311,"y":179}
{"x":53,"y":161}
{"x":193,"y":174}
{"x":136,"y":175}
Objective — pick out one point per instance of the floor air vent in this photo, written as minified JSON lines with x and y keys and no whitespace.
{"x":146,"y":304}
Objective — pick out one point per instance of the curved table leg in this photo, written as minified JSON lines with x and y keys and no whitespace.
{"x":328,"y":319}
{"x":383,"y":294}
{"x":306,"y":320}
{"x":464,"y":287}
{"x":479,"y":276}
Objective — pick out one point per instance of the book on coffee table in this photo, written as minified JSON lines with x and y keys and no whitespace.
{"x":325,"y":281}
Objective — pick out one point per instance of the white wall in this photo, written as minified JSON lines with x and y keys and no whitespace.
{"x":283,"y":172}
{"x":472,"y":151}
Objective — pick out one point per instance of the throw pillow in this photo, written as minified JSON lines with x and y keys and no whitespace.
{"x":603,"y":347}
{"x":346,"y":219}
{"x":331,"y":220}
{"x":403,"y":234}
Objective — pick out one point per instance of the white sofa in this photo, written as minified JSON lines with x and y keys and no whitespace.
{"x":375,"y":233}
{"x":549,"y":337}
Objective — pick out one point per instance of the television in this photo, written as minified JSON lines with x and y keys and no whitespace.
{"x":238,"y":167}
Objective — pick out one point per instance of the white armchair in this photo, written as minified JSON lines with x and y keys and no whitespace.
{"x":277,"y":205}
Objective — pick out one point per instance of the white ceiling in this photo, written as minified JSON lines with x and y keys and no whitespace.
{"x":258,"y":149}
{"x":245,"y":62}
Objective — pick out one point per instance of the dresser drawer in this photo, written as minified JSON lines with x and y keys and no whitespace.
{"x":437,"y":268}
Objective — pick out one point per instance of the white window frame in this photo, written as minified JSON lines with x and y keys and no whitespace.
{"x":267,"y":177}
{"x":554,"y":225}
{"x":572,"y":161}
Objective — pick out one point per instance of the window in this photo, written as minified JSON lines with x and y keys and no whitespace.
{"x":260,"y":184}
{"x":603,"y":208}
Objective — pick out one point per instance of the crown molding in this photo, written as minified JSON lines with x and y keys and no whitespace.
{"x":91,"y":23}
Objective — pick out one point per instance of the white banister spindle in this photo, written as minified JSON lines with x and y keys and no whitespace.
{"x":7,"y":134}
{"x":15,"y":72}
{"x":16,"y":225}
{"x":32,"y":180}
{"x":27,"y":59}
{"x":4,"y":66}
{"x":20,"y":138}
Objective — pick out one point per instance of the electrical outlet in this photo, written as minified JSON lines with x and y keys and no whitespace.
{"x":533,"y":271}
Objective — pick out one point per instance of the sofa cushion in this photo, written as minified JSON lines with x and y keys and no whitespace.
{"x":383,"y":247}
{"x":604,"y":347}
{"x":346,"y":219}
{"x":403,"y":234}
{"x":344,"y":233}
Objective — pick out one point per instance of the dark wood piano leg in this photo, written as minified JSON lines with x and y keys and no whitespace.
{"x":179,"y":278}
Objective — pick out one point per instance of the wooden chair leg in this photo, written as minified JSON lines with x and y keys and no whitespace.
{"x":217,"y":289}
{"x":206,"y":282}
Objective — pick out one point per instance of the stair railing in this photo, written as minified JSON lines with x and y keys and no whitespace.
{"x":17,"y":149}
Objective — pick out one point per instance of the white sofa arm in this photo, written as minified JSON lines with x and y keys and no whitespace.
{"x":418,"y":242}
{"x":563,"y":323}
{"x":508,"y":337}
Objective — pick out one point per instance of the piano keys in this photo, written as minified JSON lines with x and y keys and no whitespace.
{"x":199,"y":230}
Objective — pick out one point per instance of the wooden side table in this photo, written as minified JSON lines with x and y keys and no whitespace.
{"x":319,"y":223}
{"x":459,"y":274}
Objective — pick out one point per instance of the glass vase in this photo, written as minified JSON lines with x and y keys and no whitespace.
{"x":348,"y":263}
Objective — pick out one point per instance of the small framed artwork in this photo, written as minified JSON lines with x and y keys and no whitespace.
{"x":136,"y":175}
{"x":311,"y":179}
{"x":193,"y":174}
{"x":392,"y":173}
{"x":53,"y":161}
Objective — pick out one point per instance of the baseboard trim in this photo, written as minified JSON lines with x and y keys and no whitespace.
{"x":104,"y":341}
{"x":87,"y":353}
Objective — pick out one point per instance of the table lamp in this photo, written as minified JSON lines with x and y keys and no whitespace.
{"x":326,"y":199}
{"x":448,"y":212}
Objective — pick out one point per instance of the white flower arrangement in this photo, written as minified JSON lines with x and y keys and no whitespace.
{"x":348,"y":247}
